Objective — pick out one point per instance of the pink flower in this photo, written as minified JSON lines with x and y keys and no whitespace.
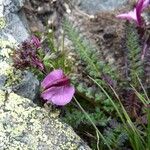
{"x":27,"y":55}
{"x":131,"y":15}
{"x":36,"y":62}
{"x":136,"y":13}
{"x":57,"y":89}
{"x":145,"y":4}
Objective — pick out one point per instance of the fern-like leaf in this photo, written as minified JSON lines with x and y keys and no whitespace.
{"x":134,"y":55}
{"x":87,"y":52}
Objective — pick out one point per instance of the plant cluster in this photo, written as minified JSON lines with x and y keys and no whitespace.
{"x":55,"y":87}
{"x":130,"y":90}
{"x":113,"y":110}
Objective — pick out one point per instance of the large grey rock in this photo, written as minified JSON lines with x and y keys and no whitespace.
{"x":3,"y":79}
{"x":28,"y":87}
{"x":10,"y":6}
{"x":14,"y":20}
{"x":23,"y":83}
{"x":94,"y":6}
{"x":25,"y":126}
{"x":11,"y":34}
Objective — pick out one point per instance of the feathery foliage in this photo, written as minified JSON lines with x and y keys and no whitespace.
{"x":108,"y":76}
{"x":76,"y":117}
{"x":95,"y":67}
{"x":134,"y":55}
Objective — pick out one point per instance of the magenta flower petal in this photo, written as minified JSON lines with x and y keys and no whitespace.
{"x":136,"y":13}
{"x":131,"y":15}
{"x":140,"y":6}
{"x":57,"y":89}
{"x":59,"y":95}
{"x":146,"y":3}
{"x":139,"y":9}
{"x":37,"y":63}
{"x":143,"y":4}
{"x":51,"y":78}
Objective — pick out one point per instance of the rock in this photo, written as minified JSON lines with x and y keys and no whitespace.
{"x":11,"y":34}
{"x":22,"y":82}
{"x":92,"y":7}
{"x":2,"y":81}
{"x":28,"y":87}
{"x":15,"y":22}
{"x":11,"y":6}
{"x":23,"y":126}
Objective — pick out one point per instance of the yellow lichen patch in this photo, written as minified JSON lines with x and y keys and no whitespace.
{"x":70,"y":146}
{"x":4,"y":43}
{"x":2,"y":95}
{"x":18,"y":99}
{"x":2,"y":22}
{"x":13,"y":76}
{"x":24,"y":125}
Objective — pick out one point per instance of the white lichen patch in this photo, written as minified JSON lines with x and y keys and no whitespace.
{"x":6,"y":49}
{"x":7,"y":43}
{"x":6,"y":52}
{"x":13,"y":76}
{"x":23,"y":125}
{"x":5,"y":68}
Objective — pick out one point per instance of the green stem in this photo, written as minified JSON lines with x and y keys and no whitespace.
{"x":88,"y":117}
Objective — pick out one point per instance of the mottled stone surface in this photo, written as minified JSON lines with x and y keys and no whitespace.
{"x":21,"y":82}
{"x":94,"y":6}
{"x":12,"y":21}
{"x":25,"y":126}
{"x":13,"y":30}
{"x":28,"y":87}
{"x":10,"y":6}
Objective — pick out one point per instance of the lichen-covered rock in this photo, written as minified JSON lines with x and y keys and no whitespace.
{"x":28,"y":87}
{"x":12,"y":32}
{"x":12,"y":23}
{"x":25,"y":126}
{"x":9,"y":6}
{"x":21,"y":82}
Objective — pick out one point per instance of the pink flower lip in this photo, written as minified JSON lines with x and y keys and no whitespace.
{"x":136,"y":13}
{"x":131,"y":15}
{"x":64,"y":81}
{"x":57,"y":88}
